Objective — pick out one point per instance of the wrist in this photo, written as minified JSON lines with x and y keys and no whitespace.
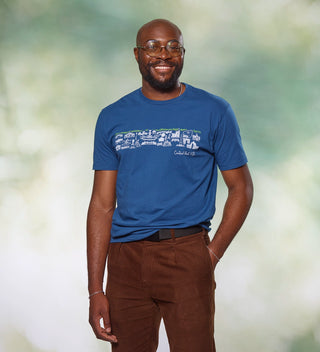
{"x":95,"y":293}
{"x":94,"y":286}
{"x":214,"y":254}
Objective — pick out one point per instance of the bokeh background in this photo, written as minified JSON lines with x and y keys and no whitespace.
{"x":61,"y":62}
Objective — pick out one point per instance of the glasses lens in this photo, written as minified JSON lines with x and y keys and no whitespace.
{"x":174,"y":48}
{"x":153,"y":48}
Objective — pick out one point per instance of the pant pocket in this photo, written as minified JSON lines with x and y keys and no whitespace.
{"x":205,"y":242}
{"x":113,"y":254}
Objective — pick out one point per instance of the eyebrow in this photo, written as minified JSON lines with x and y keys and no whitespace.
{"x":157,"y":40}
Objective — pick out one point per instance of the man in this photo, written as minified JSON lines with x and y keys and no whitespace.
{"x":156,"y":155}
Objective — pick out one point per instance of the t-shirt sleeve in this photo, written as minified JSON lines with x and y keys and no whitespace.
{"x":104,"y":155}
{"x":228,"y":149}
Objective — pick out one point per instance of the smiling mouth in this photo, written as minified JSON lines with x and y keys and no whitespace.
{"x":163,"y":68}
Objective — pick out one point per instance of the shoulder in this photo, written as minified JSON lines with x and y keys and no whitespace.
{"x":121,"y":105}
{"x":209,"y":98}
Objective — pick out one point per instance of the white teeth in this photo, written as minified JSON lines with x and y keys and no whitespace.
{"x":162,"y":67}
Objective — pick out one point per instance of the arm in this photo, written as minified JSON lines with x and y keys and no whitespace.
{"x":240,"y":193}
{"x":101,"y":208}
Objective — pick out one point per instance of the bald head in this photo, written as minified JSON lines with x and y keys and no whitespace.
{"x":157,"y":25}
{"x":160,"y":69}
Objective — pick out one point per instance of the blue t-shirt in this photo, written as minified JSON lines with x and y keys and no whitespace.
{"x":166,"y":154}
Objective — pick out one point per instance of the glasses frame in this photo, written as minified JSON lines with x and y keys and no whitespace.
{"x":167,"y":47}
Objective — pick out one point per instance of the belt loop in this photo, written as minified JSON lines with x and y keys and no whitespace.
{"x":172,"y":234}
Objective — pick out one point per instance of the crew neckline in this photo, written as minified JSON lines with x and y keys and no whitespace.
{"x":164,"y":102}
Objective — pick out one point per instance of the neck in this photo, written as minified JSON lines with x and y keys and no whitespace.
{"x":167,"y":94}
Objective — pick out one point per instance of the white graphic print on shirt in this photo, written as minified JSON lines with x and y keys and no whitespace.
{"x":163,"y":137}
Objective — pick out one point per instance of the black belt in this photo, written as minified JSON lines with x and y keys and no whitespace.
{"x":165,"y":234}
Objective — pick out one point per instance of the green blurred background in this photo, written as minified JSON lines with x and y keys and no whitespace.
{"x":61,"y":62}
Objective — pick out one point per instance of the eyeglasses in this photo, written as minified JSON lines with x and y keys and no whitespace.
{"x":153,"y":48}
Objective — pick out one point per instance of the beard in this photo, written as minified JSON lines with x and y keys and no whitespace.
{"x":164,"y":85}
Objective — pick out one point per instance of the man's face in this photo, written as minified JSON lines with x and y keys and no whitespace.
{"x":162,"y":71}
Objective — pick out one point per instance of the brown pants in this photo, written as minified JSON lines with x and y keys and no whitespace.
{"x":172,"y":279}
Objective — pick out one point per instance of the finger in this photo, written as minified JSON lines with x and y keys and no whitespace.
{"x":106,"y":322}
{"x":96,"y":326}
{"x":102,"y":332}
{"x":105,"y":330}
{"x":103,"y":335}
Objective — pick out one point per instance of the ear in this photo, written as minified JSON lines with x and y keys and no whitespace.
{"x":136,"y":53}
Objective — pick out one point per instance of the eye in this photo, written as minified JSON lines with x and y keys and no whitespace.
{"x":152,"y":45}
{"x":174,"y":46}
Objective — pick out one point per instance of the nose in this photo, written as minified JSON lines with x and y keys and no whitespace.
{"x":164,"y":53}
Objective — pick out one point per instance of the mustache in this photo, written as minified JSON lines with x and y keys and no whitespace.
{"x":162,"y":62}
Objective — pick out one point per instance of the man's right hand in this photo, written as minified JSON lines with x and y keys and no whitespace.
{"x":99,"y":308}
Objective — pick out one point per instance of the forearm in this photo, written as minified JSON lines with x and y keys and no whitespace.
{"x":98,"y":239}
{"x":235,"y":212}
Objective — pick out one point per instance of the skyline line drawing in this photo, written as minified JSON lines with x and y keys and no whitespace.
{"x":163,"y":137}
